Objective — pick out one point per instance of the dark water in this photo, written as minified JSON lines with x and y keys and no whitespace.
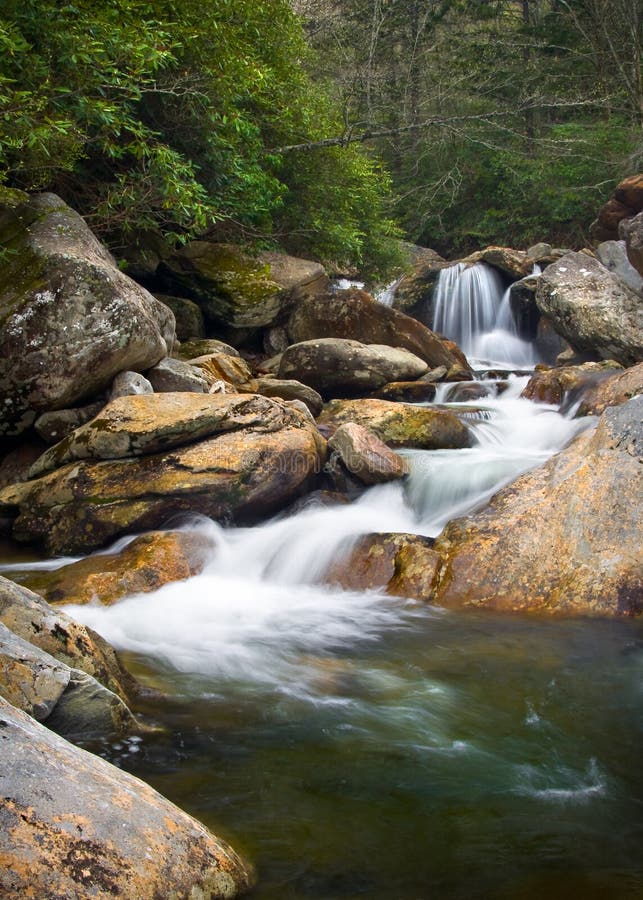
{"x":459,"y":755}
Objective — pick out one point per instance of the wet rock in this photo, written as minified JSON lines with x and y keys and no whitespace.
{"x":170,"y":375}
{"x":613,"y":390}
{"x":549,"y":345}
{"x":522,"y":300}
{"x":404,"y":565}
{"x":193,"y":349}
{"x":553,"y":385}
{"x":365,"y":455}
{"x":289,"y":389}
{"x":187,"y":315}
{"x":335,"y":366}
{"x":591,"y":309}
{"x":129,"y":384}
{"x":420,"y":391}
{"x":75,"y":826}
{"x":400,"y":424}
{"x":563,"y":538}
{"x":72,"y":320}
{"x":355,"y":315}
{"x":69,"y":701}
{"x":54,"y":426}
{"x":464,"y":392}
{"x":414,"y":292}
{"x":144,"y":565}
{"x":261,"y":454}
{"x":31,"y":618}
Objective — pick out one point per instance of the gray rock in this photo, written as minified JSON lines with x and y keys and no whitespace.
{"x":631,"y":231}
{"x":129,"y":384}
{"x":69,"y":319}
{"x":72,"y":702}
{"x":591,"y":309}
{"x":290,"y":390}
{"x":189,"y":318}
{"x":193,"y":349}
{"x":75,"y":826}
{"x":613,"y":255}
{"x":175,"y":375}
{"x":56,"y":425}
{"x":333,"y":365}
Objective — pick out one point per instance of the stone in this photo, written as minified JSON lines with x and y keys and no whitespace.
{"x":232,"y":370}
{"x":606,"y":226}
{"x":522,"y":300}
{"x":190,"y":324}
{"x":237,"y":290}
{"x":31,"y":618}
{"x":144,"y":565}
{"x":631,"y":231}
{"x":556,"y":385}
{"x":75,"y":826}
{"x":414,"y":292}
{"x":549,"y":345}
{"x":616,"y":388}
{"x":193,"y":349}
{"x":365,"y":455}
{"x":591,"y":309}
{"x":355,"y":315}
{"x":171,"y":375}
{"x":515,"y":263}
{"x":613,"y":255}
{"x":69,"y":319}
{"x":564,"y":538}
{"x":54,"y":426}
{"x":289,"y":389}
{"x":129,"y":384}
{"x":400,"y":424}
{"x":16,"y":464}
{"x":420,"y":391}
{"x":403,"y":565}
{"x":69,"y":701}
{"x":630,"y":193}
{"x":259,"y":456}
{"x":335,"y":366}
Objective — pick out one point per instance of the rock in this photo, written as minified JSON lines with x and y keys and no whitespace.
{"x":75,"y":826}
{"x":144,"y":565}
{"x":54,"y":426}
{"x":613,"y":255}
{"x":188,"y":316}
{"x":438,"y":374}
{"x":70,"y":701}
{"x":275,"y":340}
{"x":631,"y":231}
{"x":16,"y":464}
{"x":419,"y":391}
{"x":630,"y":193}
{"x":404,"y":565}
{"x":522,"y":300}
{"x":414,"y":292}
{"x":129,"y":384}
{"x":193,"y":349}
{"x":230,"y":369}
{"x":613,"y":390}
{"x":235,"y":289}
{"x":563,"y":538}
{"x":549,"y":345}
{"x":465,"y":392}
{"x":355,"y":315}
{"x":606,"y":226}
{"x":365,"y":455}
{"x":31,"y":618}
{"x":554,"y":385}
{"x":335,"y":366}
{"x":171,"y":375}
{"x":400,"y":424}
{"x":288,"y":389}
{"x":258,"y":457}
{"x":71,"y":320}
{"x":591,"y":309}
{"x":515,"y":263}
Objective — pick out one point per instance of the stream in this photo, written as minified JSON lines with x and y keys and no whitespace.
{"x":356,"y":745}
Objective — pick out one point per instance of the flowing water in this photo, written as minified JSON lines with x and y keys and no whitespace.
{"x":355,"y":745}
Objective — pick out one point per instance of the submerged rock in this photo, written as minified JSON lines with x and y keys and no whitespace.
{"x":400,"y":424}
{"x":69,"y":319}
{"x":75,"y":826}
{"x":563,"y":538}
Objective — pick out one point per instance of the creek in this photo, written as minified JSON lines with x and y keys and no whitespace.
{"x":356,"y":745}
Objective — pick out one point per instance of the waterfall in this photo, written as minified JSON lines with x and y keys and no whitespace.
{"x":472,"y":308}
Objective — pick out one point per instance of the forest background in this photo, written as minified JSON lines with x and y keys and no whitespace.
{"x":329,"y":128}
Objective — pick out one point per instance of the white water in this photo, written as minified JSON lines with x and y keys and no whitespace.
{"x":471,"y":307}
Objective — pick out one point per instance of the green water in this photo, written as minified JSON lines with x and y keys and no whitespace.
{"x":457,"y":756}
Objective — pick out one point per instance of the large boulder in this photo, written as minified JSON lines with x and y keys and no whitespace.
{"x":617,"y":388}
{"x":631,"y":231}
{"x":259,"y":455}
{"x":355,"y":315}
{"x":69,"y":319}
{"x":591,"y":309}
{"x":626,"y":201}
{"x":73,"y":826}
{"x":144,"y":565}
{"x":235,"y":289}
{"x":290,"y":389}
{"x":555,"y":385}
{"x":68,"y":700}
{"x":414,"y":291}
{"x":564,"y":538}
{"x":188,"y":316}
{"x":613,"y":255}
{"x":514,"y":263}
{"x":31,"y":618}
{"x":399,"y":424}
{"x":337,"y":367}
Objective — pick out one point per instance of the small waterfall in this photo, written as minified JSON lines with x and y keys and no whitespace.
{"x":472,"y":308}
